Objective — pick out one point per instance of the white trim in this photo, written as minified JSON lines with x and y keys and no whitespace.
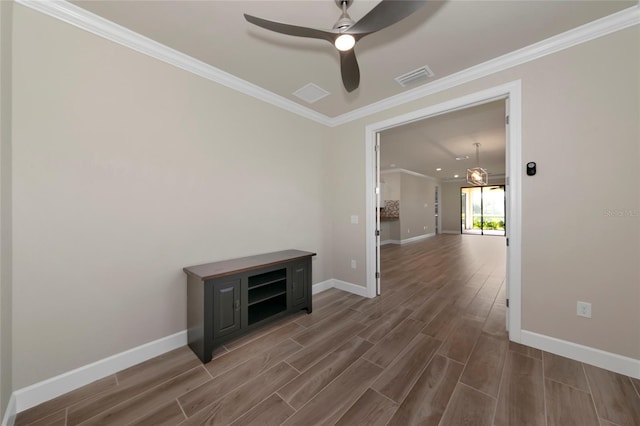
{"x":418,"y":238}
{"x":511,"y":91}
{"x":9,"y":417}
{"x":351,"y":288}
{"x":385,"y":242}
{"x":409,"y":172}
{"x":588,"y":355}
{"x":592,"y":30}
{"x":81,"y":18}
{"x":448,"y":231}
{"x":321,"y":286}
{"x":340,"y":285}
{"x":38,"y":393}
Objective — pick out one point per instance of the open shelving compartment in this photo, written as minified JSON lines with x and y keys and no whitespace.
{"x":267,"y":295}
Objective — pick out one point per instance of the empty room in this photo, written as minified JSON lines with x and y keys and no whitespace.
{"x":208,"y":214}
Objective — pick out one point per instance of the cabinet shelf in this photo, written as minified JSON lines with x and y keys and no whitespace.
{"x":230,"y":298}
{"x":266,"y":308}
{"x":265,"y":292}
{"x":267,"y":278}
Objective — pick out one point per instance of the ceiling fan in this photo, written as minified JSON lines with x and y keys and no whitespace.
{"x":346,"y":32}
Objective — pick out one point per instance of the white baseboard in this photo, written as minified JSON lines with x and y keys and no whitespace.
{"x":408,"y":240}
{"x":38,"y":393}
{"x":588,"y":355}
{"x":351,"y":288}
{"x":418,"y":238}
{"x":450,"y":232}
{"x":340,"y":285}
{"x":321,"y":286}
{"x":9,"y":417}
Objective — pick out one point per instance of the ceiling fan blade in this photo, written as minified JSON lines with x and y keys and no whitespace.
{"x":291,"y":29}
{"x":350,"y":70}
{"x":386,"y":13}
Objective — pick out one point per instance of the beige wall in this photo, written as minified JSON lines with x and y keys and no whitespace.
{"x":125,"y":170}
{"x":6,"y":10}
{"x":579,"y":114}
{"x":417,"y":206}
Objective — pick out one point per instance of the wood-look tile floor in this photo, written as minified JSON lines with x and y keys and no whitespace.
{"x":431,"y":350}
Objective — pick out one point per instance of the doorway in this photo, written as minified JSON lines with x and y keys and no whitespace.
{"x":511,"y":93}
{"x":483,"y":210}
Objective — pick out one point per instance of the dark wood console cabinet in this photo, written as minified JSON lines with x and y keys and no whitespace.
{"x":229,"y":298}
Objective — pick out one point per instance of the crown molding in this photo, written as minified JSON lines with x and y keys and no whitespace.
{"x":409,"y":172}
{"x":592,"y":30}
{"x":81,"y":18}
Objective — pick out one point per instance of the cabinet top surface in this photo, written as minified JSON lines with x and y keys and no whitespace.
{"x":223,"y":268}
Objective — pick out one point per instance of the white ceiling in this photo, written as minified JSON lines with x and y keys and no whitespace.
{"x":425,"y":145}
{"x":448,"y":36}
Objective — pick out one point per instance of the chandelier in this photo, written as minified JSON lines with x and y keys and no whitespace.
{"x":477,"y":176}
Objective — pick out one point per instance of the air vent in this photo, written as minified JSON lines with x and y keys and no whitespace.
{"x":311,"y":93}
{"x":420,"y":74}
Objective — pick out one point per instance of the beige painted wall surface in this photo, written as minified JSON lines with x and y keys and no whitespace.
{"x":580,"y":241}
{"x":6,"y":11}
{"x":126,"y":170}
{"x":417,"y":214}
{"x":390,"y":231}
{"x":390,"y":183}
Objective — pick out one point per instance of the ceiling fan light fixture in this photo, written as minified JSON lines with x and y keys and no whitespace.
{"x":345,"y":42}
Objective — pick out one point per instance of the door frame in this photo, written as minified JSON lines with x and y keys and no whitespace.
{"x":462,"y":207}
{"x":511,"y":92}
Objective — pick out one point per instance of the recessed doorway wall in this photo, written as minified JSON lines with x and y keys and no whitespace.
{"x":511,"y":93}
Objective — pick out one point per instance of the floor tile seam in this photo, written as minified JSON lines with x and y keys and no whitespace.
{"x":344,"y":321}
{"x":633,"y":385}
{"x":502,"y":378}
{"x":287,"y":362}
{"x":495,"y":398}
{"x":266,"y":334}
{"x":333,"y":380}
{"x":355,"y":400}
{"x":523,"y":354}
{"x":593,"y":400}
{"x":566,"y":384}
{"x":257,"y":354}
{"x":181,"y":409}
{"x":387,"y":398}
{"x":422,"y":369}
{"x":139,"y":394}
{"x":544,"y":394}
{"x":466,"y":364}
{"x":234,"y":389}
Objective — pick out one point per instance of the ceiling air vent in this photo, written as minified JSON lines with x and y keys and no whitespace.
{"x":311,"y":93}
{"x":420,"y":74}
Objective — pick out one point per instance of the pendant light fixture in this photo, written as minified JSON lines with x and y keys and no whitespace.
{"x":477,"y":176}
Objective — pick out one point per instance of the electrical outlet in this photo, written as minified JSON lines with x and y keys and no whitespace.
{"x":583,"y":309}
{"x":353,"y":264}
{"x":408,"y":231}
{"x":425,"y":228}
{"x":354,"y":219}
